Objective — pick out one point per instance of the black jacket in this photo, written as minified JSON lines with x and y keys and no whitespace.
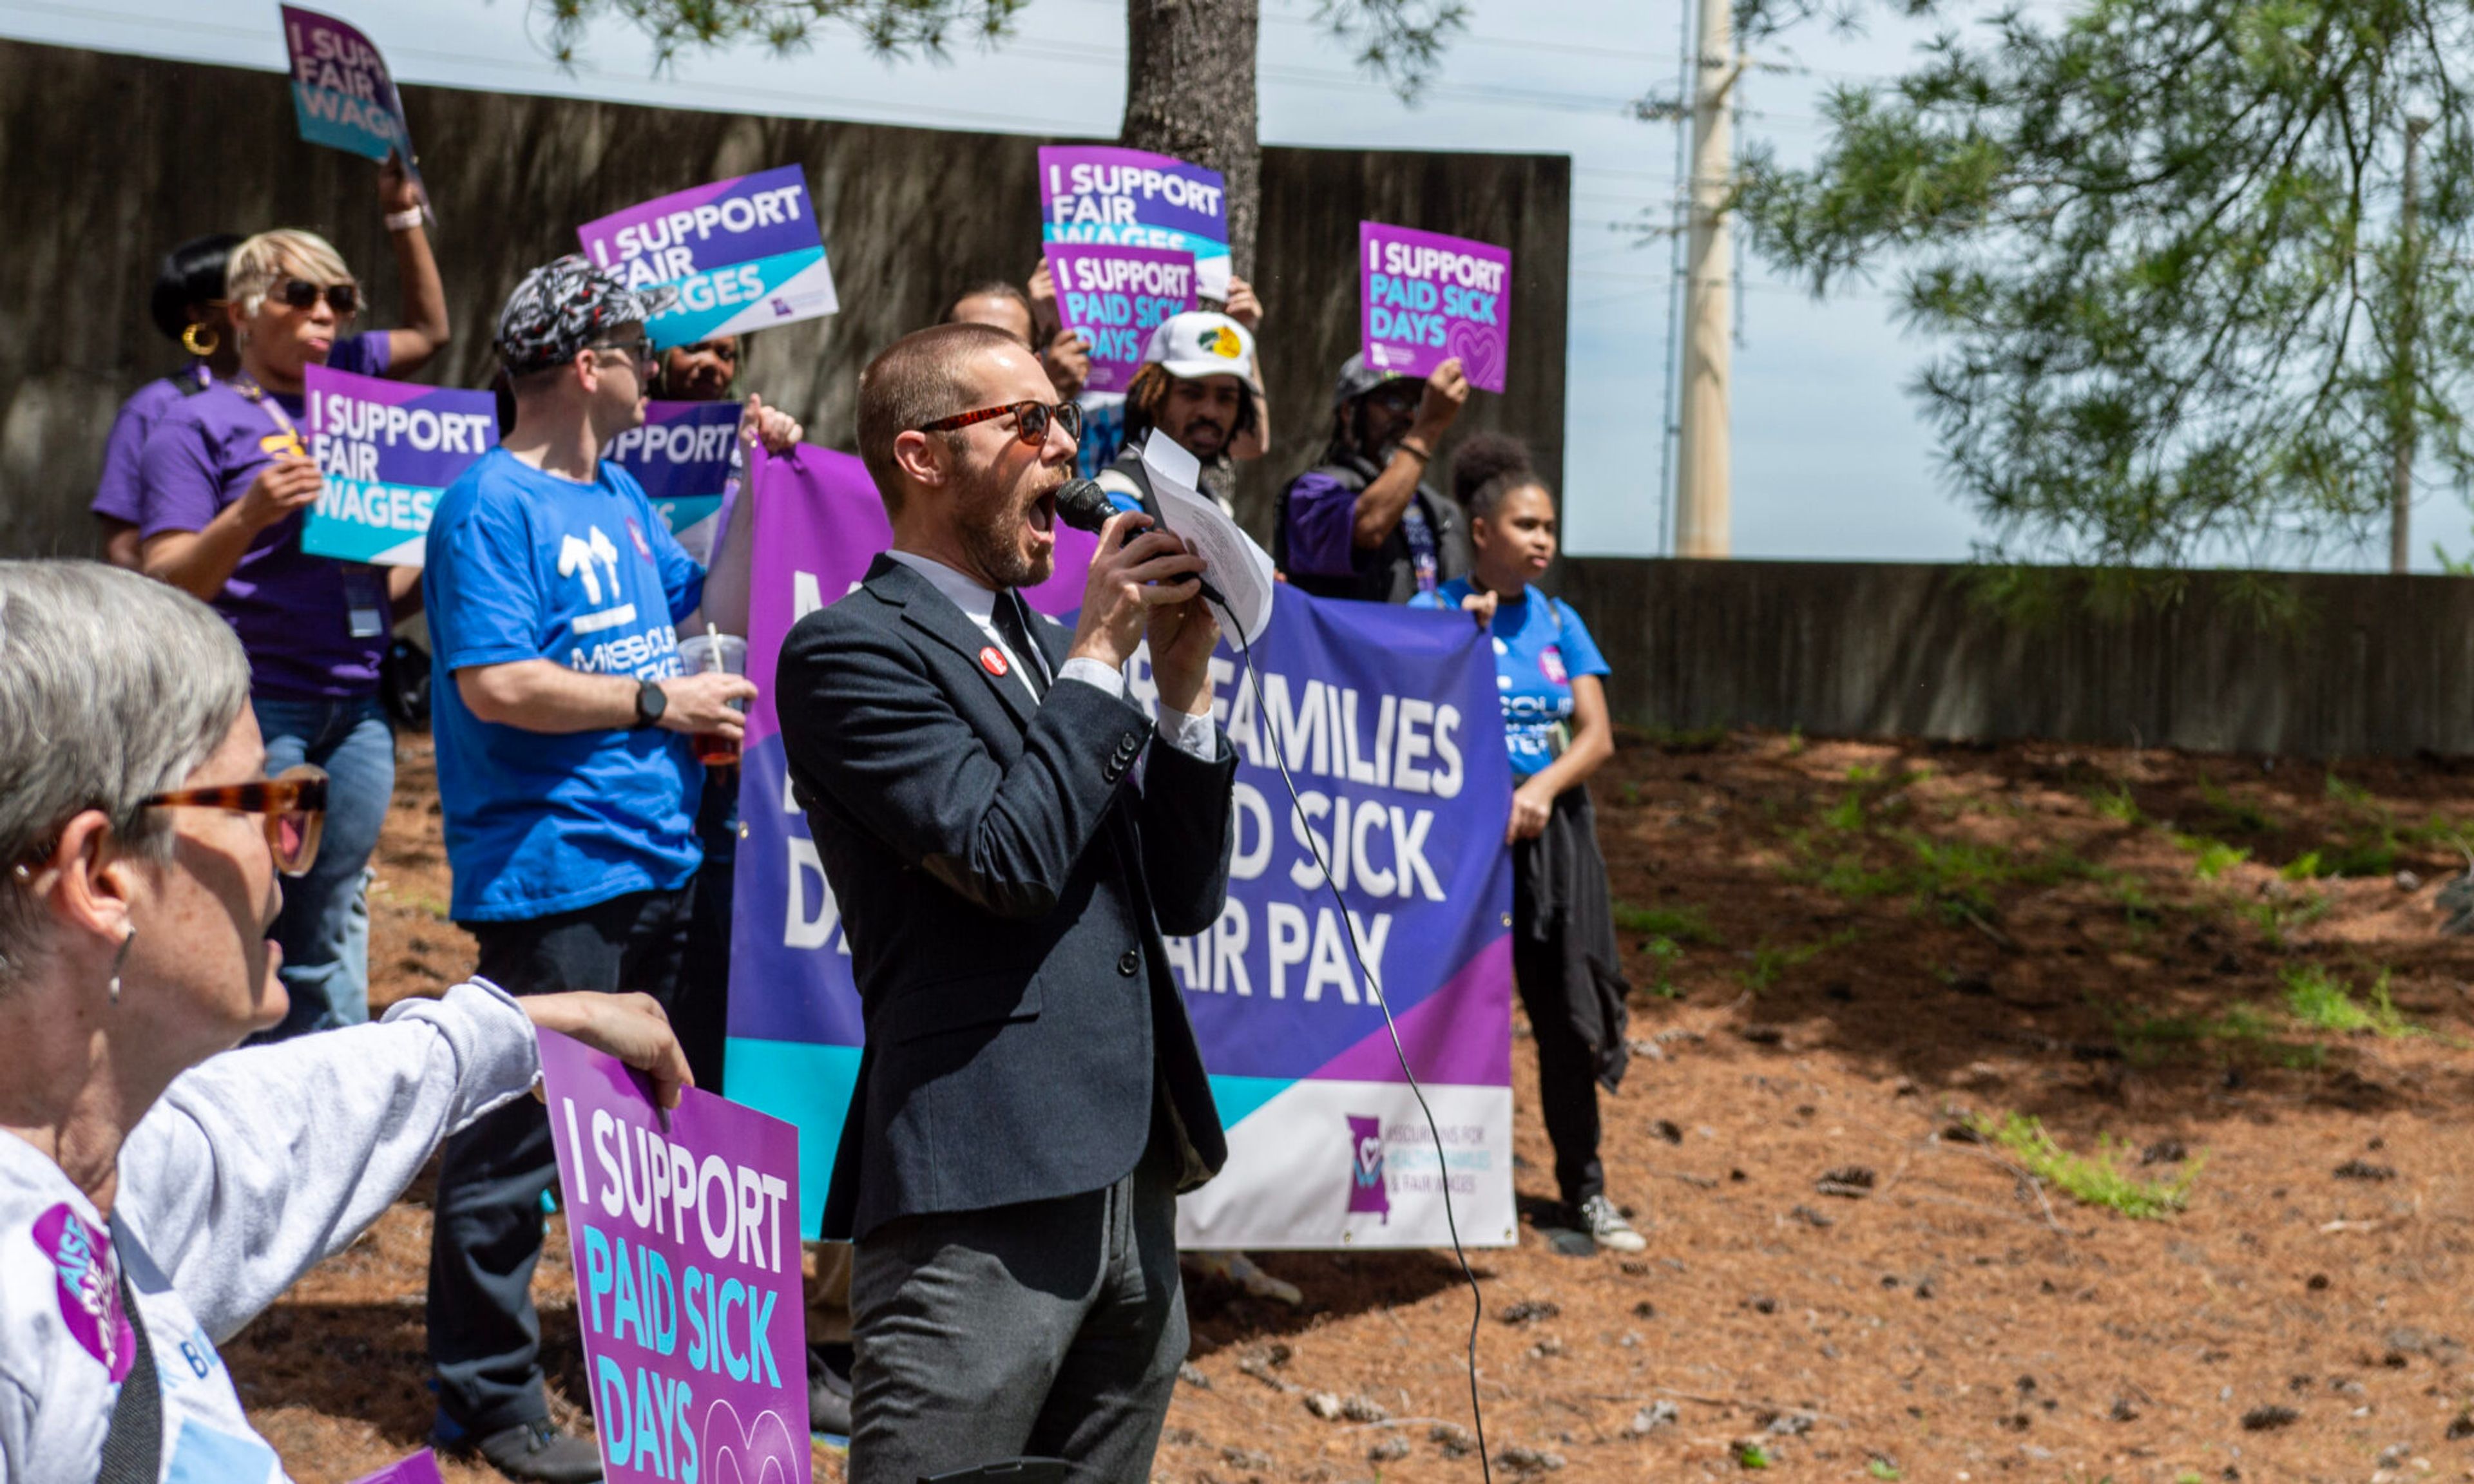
{"x":1387,"y":573}
{"x":1004,"y":884}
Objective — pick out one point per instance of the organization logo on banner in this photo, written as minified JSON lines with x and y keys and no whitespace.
{"x":1367,"y":1192}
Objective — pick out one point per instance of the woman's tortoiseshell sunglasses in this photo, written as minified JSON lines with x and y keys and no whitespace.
{"x":293,"y":805}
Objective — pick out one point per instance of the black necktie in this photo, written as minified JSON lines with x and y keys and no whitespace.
{"x":1006,"y":615}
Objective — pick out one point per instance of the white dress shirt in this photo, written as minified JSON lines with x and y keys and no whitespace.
{"x":1188,"y":733}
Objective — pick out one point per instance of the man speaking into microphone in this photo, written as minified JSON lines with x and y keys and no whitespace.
{"x":1030,"y":1101}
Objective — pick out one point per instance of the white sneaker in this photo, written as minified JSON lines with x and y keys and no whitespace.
{"x":1607,"y":1228}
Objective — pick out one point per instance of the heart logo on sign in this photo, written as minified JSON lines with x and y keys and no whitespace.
{"x":758,"y":1452}
{"x":1480,"y":350}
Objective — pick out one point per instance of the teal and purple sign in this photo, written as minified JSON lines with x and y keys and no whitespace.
{"x":685,"y":1234}
{"x":387,"y":449}
{"x":342,"y":92}
{"x":743,"y":255}
{"x":1115,"y":296}
{"x":1387,"y":718}
{"x":682,"y":454}
{"x":1102,"y":195}
{"x":1427,"y":298}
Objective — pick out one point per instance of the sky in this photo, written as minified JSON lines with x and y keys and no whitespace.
{"x":1832,"y":460}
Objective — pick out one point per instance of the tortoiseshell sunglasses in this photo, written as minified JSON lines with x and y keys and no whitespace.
{"x":292,"y":802}
{"x":1031,"y":420}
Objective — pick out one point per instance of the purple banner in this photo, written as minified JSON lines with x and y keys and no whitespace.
{"x":685,"y":1232}
{"x":342,"y":94}
{"x":1427,"y":299}
{"x":1102,"y":195}
{"x":387,"y":449}
{"x":1115,"y":296}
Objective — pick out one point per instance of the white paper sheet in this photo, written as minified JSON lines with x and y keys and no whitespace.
{"x":1239,"y":568}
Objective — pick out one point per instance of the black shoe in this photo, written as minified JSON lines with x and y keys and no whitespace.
{"x":829,"y":1398}
{"x":539,"y":1452}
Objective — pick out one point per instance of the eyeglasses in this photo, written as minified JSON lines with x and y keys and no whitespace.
{"x":639,"y":351}
{"x":345,"y":298}
{"x":1031,"y":420}
{"x":293,"y":801}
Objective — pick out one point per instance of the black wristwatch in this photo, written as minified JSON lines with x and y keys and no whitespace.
{"x":651,"y":700}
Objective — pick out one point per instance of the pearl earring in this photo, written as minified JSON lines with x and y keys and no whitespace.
{"x":117,"y":960}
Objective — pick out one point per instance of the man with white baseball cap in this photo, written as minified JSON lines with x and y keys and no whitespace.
{"x":1200,"y":388}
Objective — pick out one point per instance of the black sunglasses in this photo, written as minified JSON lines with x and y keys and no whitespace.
{"x":345,"y":298}
{"x":1031,"y":420}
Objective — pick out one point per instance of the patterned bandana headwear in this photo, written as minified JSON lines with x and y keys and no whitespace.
{"x":562,"y":307}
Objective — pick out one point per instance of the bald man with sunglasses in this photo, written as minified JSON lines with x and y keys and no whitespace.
{"x":1008,"y":836}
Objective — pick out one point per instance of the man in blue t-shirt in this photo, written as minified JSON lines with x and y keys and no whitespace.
{"x":561,"y":717}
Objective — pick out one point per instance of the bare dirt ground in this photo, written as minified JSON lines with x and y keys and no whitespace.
{"x":2227,"y":972}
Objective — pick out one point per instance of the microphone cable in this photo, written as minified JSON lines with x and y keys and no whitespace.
{"x":1357,"y":950}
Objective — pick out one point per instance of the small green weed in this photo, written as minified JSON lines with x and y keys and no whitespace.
{"x":1770,"y":961}
{"x":1752,"y":1455}
{"x":1882,"y":1468}
{"x":2304,"y":867}
{"x":1860,"y":774}
{"x":2116,"y":805}
{"x":1687,"y":739}
{"x":2091,"y":1181}
{"x":1664,"y":953}
{"x":1683,"y":924}
{"x":1795,"y":741}
{"x":2352,"y":795}
{"x":2321,"y":1000}
{"x":1847,"y":815}
{"x":2215,"y":856}
{"x":2235,"y":815}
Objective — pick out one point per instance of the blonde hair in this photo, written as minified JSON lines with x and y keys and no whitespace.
{"x":262,"y":261}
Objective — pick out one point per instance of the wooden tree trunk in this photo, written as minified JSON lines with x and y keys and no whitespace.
{"x":1190,"y":93}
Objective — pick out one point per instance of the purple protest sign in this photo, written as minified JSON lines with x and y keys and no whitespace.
{"x":1427,"y":298}
{"x":686,"y":1240}
{"x":342,"y":93}
{"x":421,"y":1468}
{"x":388,"y":449}
{"x":1115,"y":296}
{"x":1105,"y":195}
{"x":739,"y":256}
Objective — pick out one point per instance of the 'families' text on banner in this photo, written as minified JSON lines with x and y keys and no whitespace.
{"x":686,"y":1240}
{"x":1110,"y":196}
{"x":742,"y":255}
{"x":1115,"y":296}
{"x":1427,"y":299}
{"x":1388,"y":721}
{"x":387,"y":449}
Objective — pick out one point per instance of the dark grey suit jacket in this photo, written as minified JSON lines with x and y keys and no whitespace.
{"x":1004,"y":884}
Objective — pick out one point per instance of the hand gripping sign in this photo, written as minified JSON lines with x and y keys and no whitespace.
{"x":1101,"y":195}
{"x":743,"y":254}
{"x":684,"y":1233}
{"x":1427,"y":298}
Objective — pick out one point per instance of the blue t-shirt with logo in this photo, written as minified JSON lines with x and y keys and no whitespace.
{"x":522,"y":565}
{"x":1539,"y":644}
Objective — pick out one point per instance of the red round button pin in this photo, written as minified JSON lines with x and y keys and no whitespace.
{"x":993,"y":660}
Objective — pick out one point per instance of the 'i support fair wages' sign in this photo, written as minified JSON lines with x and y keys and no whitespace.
{"x":341,"y":90}
{"x":387,"y":449}
{"x":686,"y":1240}
{"x":1115,"y":296}
{"x":1388,"y":719}
{"x":1110,"y":196}
{"x":743,"y":254}
{"x":1427,"y":298}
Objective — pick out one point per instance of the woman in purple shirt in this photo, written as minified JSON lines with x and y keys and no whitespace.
{"x":187,"y":305}
{"x":225,"y":482}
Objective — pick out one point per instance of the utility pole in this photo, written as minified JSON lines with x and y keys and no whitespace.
{"x":2402,"y":421}
{"x":1702,"y":457}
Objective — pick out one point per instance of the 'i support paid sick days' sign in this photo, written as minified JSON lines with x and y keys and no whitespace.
{"x":684,"y":1233}
{"x":387,"y":449}
{"x":740,"y":254}
{"x":1115,"y":296}
{"x":1100,"y":194}
{"x":1428,"y":298}
{"x":341,"y":90}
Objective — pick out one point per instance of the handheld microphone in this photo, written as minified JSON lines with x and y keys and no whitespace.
{"x":1081,"y":503}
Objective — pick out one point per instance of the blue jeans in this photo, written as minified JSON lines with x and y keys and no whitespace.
{"x":324,"y":927}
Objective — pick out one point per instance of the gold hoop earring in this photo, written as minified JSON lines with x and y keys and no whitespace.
{"x":200,"y":339}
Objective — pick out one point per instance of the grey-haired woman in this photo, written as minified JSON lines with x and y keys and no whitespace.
{"x":158,"y":1188}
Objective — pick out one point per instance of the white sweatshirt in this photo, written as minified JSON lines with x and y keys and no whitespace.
{"x":252,"y":1168}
